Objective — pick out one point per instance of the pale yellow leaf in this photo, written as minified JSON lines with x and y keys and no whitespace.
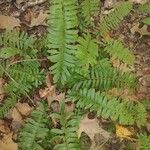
{"x":123,"y":132}
{"x":8,"y":22}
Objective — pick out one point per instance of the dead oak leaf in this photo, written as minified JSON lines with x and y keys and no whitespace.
{"x":7,"y":143}
{"x":8,"y":22}
{"x":91,"y":128}
{"x":39,"y":20}
{"x":24,"y":108}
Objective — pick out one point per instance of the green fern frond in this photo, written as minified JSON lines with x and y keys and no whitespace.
{"x":62,"y":37}
{"x":145,"y":8}
{"x":102,"y":76}
{"x":87,"y":51}
{"x":125,"y":112}
{"x":113,"y":19}
{"x":68,"y":132}
{"x":116,"y":49}
{"x":35,"y":130}
{"x":144,"y":141}
{"x":146,"y":103}
{"x":7,"y":105}
{"x":89,"y":8}
{"x":13,"y":42}
{"x":24,"y":77}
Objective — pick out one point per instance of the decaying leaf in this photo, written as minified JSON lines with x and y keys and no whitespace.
{"x":123,"y":132}
{"x":91,"y":128}
{"x":24,"y":108}
{"x":1,"y":89}
{"x":7,"y":143}
{"x":140,"y":1}
{"x":142,"y":31}
{"x":39,"y":20}
{"x":8,"y":22}
{"x":4,"y":127}
{"x":16,"y":116}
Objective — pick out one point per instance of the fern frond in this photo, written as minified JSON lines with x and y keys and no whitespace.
{"x":67,"y":134}
{"x":24,"y":76}
{"x":116,"y":49}
{"x":125,"y":112}
{"x":144,"y":141}
{"x":7,"y":105}
{"x":87,"y":51}
{"x":13,"y":42}
{"x":35,"y":130}
{"x":145,"y":8}
{"x":89,"y":8}
{"x":62,"y":37}
{"x":113,"y":19}
{"x":102,"y":76}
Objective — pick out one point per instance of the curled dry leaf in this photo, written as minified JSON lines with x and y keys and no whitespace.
{"x":123,"y":132}
{"x":91,"y":128}
{"x":24,"y":108}
{"x":1,"y":89}
{"x":39,"y":20}
{"x":7,"y":143}
{"x":8,"y":22}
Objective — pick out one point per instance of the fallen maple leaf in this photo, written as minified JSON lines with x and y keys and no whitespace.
{"x":8,"y":22}
{"x":91,"y":128}
{"x":123,"y":132}
{"x":7,"y":143}
{"x":24,"y":108}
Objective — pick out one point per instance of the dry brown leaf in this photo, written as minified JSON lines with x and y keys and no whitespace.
{"x":7,"y":143}
{"x":8,"y":22}
{"x":142,"y":31}
{"x":123,"y":132}
{"x":140,"y":1}
{"x":16,"y":116}
{"x":1,"y":89}
{"x":4,"y":127}
{"x":24,"y":108}
{"x":39,"y":20}
{"x":91,"y":128}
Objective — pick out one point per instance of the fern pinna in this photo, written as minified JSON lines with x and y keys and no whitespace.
{"x":67,"y":134}
{"x":113,"y":19}
{"x":125,"y":112}
{"x":63,"y":23}
{"x":35,"y":130}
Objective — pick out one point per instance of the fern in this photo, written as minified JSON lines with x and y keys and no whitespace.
{"x":144,"y":141}
{"x":7,"y":105}
{"x":35,"y":130}
{"x":25,"y":76}
{"x":145,"y":8}
{"x":62,"y":38}
{"x":87,"y":51}
{"x":102,"y":76}
{"x":89,"y":8}
{"x":14,"y":42}
{"x":67,"y":134}
{"x":117,"y":50}
{"x":113,"y":19}
{"x":125,"y":112}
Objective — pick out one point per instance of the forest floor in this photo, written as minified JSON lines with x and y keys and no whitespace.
{"x":31,"y":16}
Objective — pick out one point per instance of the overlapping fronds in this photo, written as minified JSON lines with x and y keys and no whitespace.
{"x":35,"y":130}
{"x":62,"y":37}
{"x":125,"y":112}
{"x":113,"y":19}
{"x":116,"y":49}
{"x":68,"y":132}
